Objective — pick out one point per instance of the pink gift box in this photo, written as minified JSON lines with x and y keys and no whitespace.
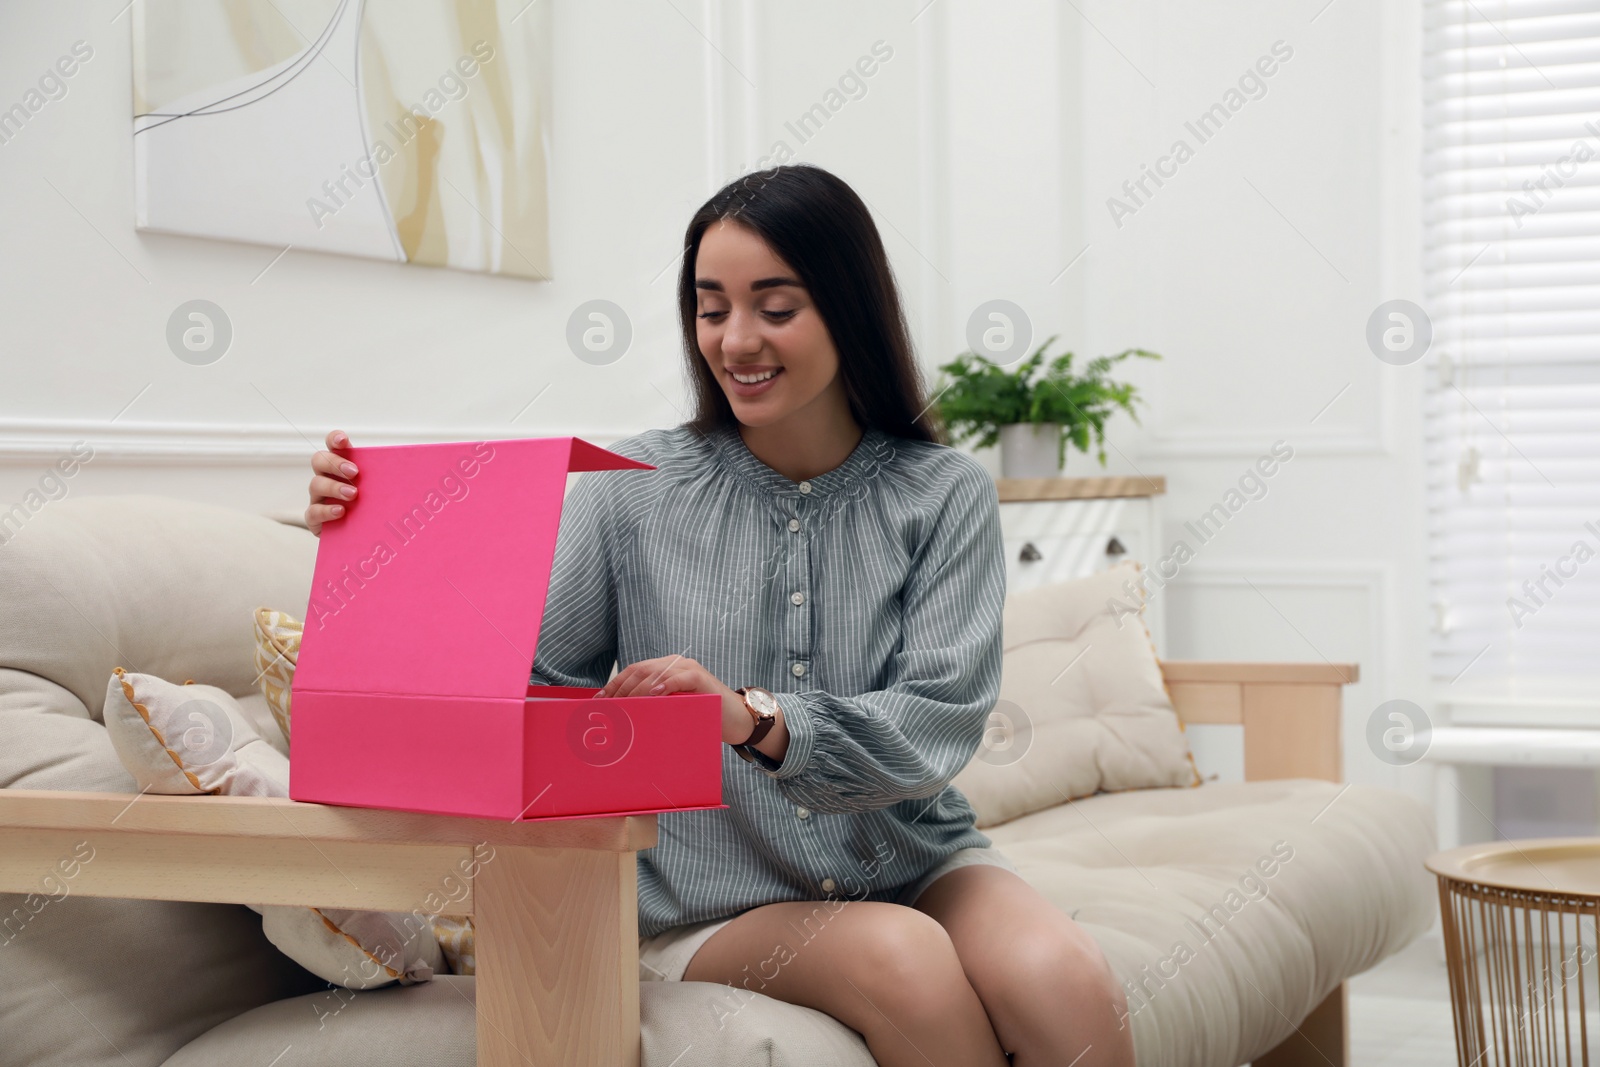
{"x":411,"y":688}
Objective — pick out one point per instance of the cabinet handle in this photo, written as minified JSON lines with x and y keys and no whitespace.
{"x":1115,"y":549}
{"x":1029,"y":554}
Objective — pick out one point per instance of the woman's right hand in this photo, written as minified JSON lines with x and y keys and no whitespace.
{"x":330,"y":483}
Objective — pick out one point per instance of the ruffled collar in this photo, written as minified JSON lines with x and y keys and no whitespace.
{"x":862,"y":462}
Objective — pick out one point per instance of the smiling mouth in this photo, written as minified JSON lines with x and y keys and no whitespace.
{"x":753,"y":379}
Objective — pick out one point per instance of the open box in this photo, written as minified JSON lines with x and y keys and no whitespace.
{"x":411,"y":687}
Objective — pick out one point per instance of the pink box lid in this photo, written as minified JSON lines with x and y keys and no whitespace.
{"x":434,"y":582}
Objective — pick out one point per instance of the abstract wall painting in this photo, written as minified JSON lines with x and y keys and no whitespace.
{"x":414,"y":131}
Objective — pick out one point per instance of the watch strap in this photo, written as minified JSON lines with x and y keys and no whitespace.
{"x":756,"y":756}
{"x":763,"y":728}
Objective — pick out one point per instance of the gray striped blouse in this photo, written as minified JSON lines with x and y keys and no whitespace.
{"x":868,"y":599}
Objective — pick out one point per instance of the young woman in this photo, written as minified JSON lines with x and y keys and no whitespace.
{"x":809,"y":551}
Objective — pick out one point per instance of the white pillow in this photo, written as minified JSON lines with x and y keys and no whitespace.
{"x":189,"y":739}
{"x":1083,"y":707}
{"x":193,"y":739}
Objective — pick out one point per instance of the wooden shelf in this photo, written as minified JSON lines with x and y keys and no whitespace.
{"x":1268,"y":673}
{"x":1022,"y":490}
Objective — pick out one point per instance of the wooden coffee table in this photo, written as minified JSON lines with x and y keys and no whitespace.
{"x":555,"y":909}
{"x":1521,"y":934}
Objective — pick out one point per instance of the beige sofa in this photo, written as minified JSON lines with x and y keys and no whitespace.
{"x":167,"y":588}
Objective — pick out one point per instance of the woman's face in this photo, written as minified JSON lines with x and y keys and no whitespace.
{"x":756,"y":322}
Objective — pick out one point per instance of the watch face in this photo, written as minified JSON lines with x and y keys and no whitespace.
{"x":764,"y":702}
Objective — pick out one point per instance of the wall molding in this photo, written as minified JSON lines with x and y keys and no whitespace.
{"x":1248,"y":443}
{"x":732,"y":53}
{"x":1376,"y":578}
{"x":1235,"y":443}
{"x":939,"y":320}
{"x":27,"y":442}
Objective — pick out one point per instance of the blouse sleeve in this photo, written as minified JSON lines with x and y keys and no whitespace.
{"x":578,"y":635}
{"x":907,"y":741}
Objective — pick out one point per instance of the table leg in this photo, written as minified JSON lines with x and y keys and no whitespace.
{"x":557,"y":958}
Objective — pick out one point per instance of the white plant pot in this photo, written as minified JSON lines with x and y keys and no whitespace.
{"x":1028,"y":450}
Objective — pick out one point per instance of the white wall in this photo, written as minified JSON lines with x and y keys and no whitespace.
{"x":1254,"y":269}
{"x":987,"y":146}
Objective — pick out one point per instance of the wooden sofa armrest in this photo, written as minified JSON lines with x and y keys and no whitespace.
{"x":1289,"y":711}
{"x":1291,"y":718}
{"x":554,"y":902}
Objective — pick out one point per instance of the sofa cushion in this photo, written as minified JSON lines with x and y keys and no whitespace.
{"x":1082,"y":705}
{"x":1231,"y":909}
{"x":263,"y":720}
{"x":125,"y":983}
{"x":435,"y":1024}
{"x":709,"y":1023}
{"x":48,"y":739}
{"x":85,"y":582}
{"x":157,"y":585}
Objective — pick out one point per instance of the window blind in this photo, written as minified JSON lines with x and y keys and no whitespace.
{"x":1511,"y":216}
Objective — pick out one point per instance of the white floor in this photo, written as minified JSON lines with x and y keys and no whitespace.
{"x":1400,"y":1010}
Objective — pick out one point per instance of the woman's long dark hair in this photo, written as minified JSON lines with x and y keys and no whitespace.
{"x":817,"y":224}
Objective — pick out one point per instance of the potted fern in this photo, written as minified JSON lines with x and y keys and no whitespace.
{"x":1035,"y":409}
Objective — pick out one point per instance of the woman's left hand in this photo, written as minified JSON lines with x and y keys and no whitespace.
{"x":680,"y":674}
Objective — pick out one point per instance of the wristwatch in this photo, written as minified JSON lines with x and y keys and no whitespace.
{"x":763,"y":708}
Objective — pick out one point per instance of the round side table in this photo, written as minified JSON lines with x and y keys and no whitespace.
{"x":1521,"y":933}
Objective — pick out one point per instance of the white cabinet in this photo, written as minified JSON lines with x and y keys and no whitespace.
{"x":1056,"y":529}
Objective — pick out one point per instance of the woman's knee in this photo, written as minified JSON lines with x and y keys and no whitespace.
{"x":890,"y":972}
{"x":873,"y":959}
{"x":901,"y":942}
{"x":1058,"y":959}
{"x":904,"y":962}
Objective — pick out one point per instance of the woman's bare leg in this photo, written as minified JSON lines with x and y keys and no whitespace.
{"x":888,"y":972}
{"x":1045,"y":984}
